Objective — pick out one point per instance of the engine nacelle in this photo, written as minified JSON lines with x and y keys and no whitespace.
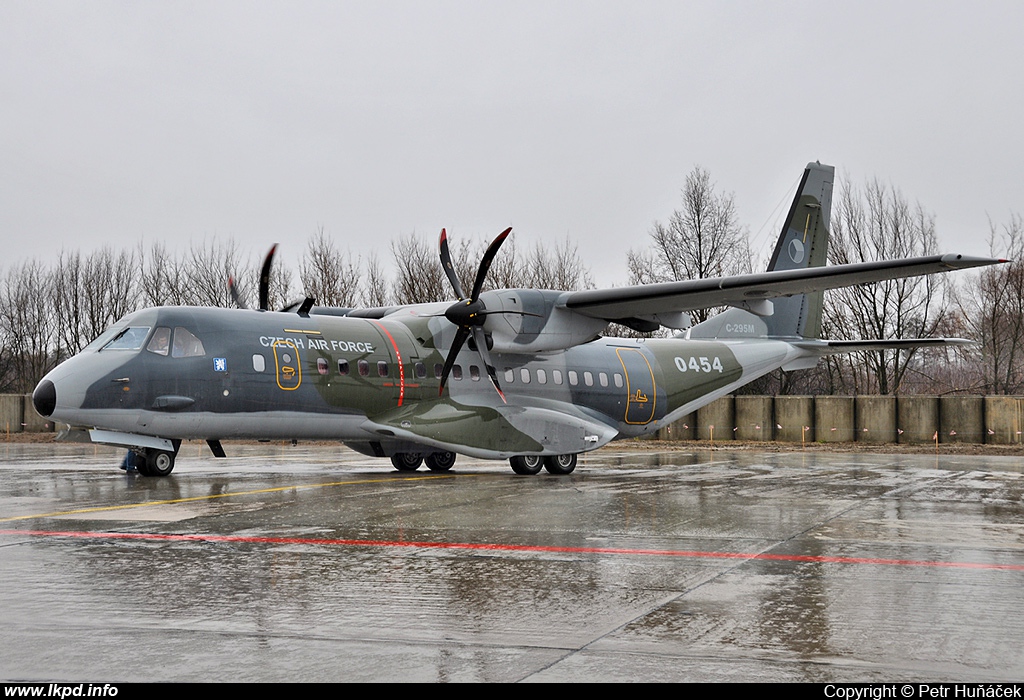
{"x":535,"y":321}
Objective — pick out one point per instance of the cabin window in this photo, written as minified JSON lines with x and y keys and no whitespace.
{"x":618,"y":380}
{"x":343,"y":367}
{"x":321,"y":365}
{"x":588,"y":378}
{"x":438,"y":369}
{"x":382,"y":368}
{"x":421,"y":370}
{"x":542,"y":376}
{"x":603,"y":378}
{"x":524,"y":374}
{"x":474,"y":373}
{"x":364,"y":368}
{"x":186,"y":344}
{"x":160,"y":343}
{"x":510,"y":376}
{"x":574,"y":378}
{"x":129,"y":339}
{"x":259,"y":363}
{"x":556,"y":376}
{"x":457,"y":371}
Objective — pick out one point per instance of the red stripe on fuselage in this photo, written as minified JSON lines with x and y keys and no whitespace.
{"x":401,"y":367}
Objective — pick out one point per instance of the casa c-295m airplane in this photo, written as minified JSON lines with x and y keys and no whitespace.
{"x":518,"y":374}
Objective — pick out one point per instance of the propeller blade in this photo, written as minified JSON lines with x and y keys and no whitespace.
{"x":460,"y":339}
{"x":235,"y":296}
{"x":485,"y":262}
{"x":449,"y":269}
{"x":265,"y":279}
{"x":481,"y":346}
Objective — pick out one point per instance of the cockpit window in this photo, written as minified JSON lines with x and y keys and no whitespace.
{"x":130,"y":338}
{"x":186,"y":344}
{"x":160,"y":343}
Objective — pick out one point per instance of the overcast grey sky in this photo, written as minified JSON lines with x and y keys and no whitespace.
{"x":175,"y":121}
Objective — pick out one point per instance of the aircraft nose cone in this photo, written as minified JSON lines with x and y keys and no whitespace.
{"x":44,"y":398}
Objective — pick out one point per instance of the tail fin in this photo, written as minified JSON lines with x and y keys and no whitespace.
{"x":803,"y":243}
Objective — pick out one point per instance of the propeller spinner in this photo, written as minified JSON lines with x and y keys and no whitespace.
{"x":469,"y":314}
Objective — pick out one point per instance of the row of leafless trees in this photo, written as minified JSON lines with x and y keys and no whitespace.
{"x":50,"y":311}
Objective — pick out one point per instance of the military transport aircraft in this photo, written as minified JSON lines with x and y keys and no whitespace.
{"x":518,"y":374}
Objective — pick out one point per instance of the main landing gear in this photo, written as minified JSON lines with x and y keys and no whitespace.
{"x":529,"y":465}
{"x":153,"y":462}
{"x":411,"y":461}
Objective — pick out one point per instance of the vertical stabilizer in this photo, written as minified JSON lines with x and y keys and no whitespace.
{"x":803,"y":243}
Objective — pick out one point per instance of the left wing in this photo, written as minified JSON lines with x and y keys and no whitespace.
{"x":743,"y":290}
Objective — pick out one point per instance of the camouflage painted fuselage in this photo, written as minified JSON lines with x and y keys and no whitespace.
{"x":373,"y":383}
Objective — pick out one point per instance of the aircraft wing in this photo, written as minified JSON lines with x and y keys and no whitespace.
{"x":648,"y":299}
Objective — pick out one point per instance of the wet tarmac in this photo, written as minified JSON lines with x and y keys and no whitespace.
{"x":318,"y":564}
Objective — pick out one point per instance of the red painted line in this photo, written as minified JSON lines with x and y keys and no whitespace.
{"x":803,"y":558}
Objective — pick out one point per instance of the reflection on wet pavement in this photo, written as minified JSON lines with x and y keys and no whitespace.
{"x":310,"y":563}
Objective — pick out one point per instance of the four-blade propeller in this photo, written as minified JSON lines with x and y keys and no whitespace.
{"x":469,"y":314}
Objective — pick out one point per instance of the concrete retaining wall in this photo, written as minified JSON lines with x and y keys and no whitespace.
{"x":962,"y":419}
{"x":11,"y":407}
{"x":717,"y":420}
{"x":1004,"y":418}
{"x":876,"y":420}
{"x":833,"y":419}
{"x":917,"y":418}
{"x":869,"y":419}
{"x":792,"y":415}
{"x":754,"y":418}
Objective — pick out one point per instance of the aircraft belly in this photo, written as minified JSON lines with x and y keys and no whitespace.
{"x":492,"y":432}
{"x":279,"y":425}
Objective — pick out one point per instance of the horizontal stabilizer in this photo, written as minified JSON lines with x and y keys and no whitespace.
{"x":644,"y":300}
{"x":834,"y":347}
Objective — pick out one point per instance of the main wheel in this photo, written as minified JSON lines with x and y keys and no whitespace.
{"x":440,"y":461}
{"x":407,"y":461}
{"x":560,"y":464}
{"x":526,"y":465}
{"x":159,"y":463}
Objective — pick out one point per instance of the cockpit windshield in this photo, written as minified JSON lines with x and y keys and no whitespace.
{"x":130,"y":338}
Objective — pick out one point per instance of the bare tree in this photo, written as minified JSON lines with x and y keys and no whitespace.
{"x":27,"y":323}
{"x":163,"y":280}
{"x":419,"y":277}
{"x":375,"y":291}
{"x":327,"y":275}
{"x":702,"y":239}
{"x":207,"y":269}
{"x":559,"y":268}
{"x":992,"y":309}
{"x":878,"y":223}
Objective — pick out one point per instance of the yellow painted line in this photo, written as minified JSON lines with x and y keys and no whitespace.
{"x":145,"y":504}
{"x":299,"y":330}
